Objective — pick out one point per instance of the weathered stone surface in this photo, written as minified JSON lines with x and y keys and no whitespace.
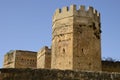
{"x":46,"y":74}
{"x":76,"y":50}
{"x":111,"y":66}
{"x":20,"y":59}
{"x":44,"y":58}
{"x":76,"y":39}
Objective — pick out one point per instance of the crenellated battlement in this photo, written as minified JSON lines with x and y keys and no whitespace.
{"x":73,"y":11}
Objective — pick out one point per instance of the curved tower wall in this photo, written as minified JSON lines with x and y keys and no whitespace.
{"x":76,"y":39}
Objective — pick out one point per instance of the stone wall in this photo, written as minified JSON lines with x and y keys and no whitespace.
{"x":9,"y":60}
{"x":45,"y":74}
{"x":86,"y":40}
{"x":25,"y":59}
{"x":62,"y":38}
{"x":20,"y":59}
{"x":110,"y":66}
{"x":44,"y":58}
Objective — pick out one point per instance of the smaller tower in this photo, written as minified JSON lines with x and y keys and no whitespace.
{"x":76,"y":39}
{"x":44,"y":58}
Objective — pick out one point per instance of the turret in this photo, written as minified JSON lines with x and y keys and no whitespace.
{"x":76,"y":39}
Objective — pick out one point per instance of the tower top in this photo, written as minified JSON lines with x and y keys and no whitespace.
{"x":73,"y":11}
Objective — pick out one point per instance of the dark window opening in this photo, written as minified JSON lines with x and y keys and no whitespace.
{"x":89,"y":64}
{"x":90,"y":26}
{"x":94,"y":27}
{"x":80,"y":25}
{"x":63,"y":50}
{"x":82,"y":50}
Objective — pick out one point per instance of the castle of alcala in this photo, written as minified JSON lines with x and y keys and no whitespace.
{"x":76,"y":45}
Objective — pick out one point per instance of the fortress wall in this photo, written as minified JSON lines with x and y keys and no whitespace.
{"x":20,"y":59}
{"x":46,"y":74}
{"x":25,"y":59}
{"x":110,"y":66}
{"x":44,"y":58}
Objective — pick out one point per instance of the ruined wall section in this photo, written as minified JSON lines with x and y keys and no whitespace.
{"x":44,"y":58}
{"x":9,"y":60}
{"x":25,"y":59}
{"x":62,"y":35}
{"x":87,"y":39}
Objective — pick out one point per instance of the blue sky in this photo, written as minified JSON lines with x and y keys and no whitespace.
{"x":27,"y":24}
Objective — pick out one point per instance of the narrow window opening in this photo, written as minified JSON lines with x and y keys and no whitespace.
{"x":94,"y":27}
{"x":90,"y":26}
{"x":89,"y":64}
{"x":80,"y":25}
{"x":63,"y":50}
{"x":82,"y":50}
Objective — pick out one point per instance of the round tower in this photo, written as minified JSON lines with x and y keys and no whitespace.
{"x":76,"y":39}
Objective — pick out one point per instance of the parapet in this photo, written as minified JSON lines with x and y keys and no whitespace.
{"x":52,"y":74}
{"x":111,"y":66}
{"x":26,"y":51}
{"x":73,"y":11}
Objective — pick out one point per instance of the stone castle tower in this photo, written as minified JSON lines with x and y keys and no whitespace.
{"x":76,"y":39}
